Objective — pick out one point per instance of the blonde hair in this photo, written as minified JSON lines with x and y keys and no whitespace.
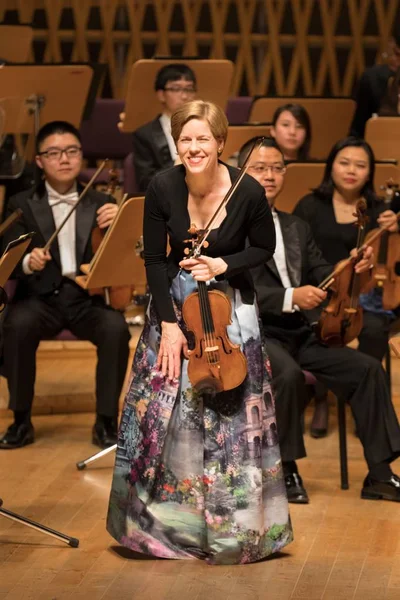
{"x":204,"y":111}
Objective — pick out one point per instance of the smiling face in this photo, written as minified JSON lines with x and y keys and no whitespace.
{"x":289,"y":134}
{"x":350,"y":170}
{"x":58,"y":169}
{"x":197,"y":147}
{"x":267,"y":166}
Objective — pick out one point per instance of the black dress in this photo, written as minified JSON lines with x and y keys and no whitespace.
{"x":335,"y":241}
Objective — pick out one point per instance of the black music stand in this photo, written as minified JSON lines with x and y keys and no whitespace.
{"x":12,"y":255}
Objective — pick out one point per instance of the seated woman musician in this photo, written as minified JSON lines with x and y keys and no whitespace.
{"x":330,"y":212}
{"x":198,"y":472}
{"x":291,"y":129}
{"x":47,"y":298}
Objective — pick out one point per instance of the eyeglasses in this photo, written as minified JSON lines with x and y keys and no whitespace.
{"x":53,"y":154}
{"x":276,"y":169}
{"x":178,"y":89}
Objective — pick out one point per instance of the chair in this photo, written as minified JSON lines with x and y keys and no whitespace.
{"x":101,"y":137}
{"x":330,"y":118}
{"x":238,"y":109}
{"x":130,"y":184}
{"x":383,"y":133}
{"x":239,"y":135}
{"x":311,"y":380}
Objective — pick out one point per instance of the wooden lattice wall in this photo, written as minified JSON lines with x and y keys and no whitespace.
{"x":280,"y":47}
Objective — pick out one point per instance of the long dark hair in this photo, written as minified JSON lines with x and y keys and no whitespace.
{"x":301,"y":115}
{"x":326,"y":187}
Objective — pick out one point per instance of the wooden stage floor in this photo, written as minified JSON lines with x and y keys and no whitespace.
{"x":345,"y":548}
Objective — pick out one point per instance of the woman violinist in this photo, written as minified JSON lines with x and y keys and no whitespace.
{"x":330,"y":211}
{"x":199,"y":475}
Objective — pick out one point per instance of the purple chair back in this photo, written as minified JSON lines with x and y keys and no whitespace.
{"x":101,"y":137}
{"x":130,"y":184}
{"x":238,"y":109}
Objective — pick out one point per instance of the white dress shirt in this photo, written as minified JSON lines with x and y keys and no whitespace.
{"x":165,"y":122}
{"x":280,"y":261}
{"x":61,"y":205}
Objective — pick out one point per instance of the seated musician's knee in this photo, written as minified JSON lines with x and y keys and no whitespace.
{"x":113,"y":327}
{"x":21,"y":323}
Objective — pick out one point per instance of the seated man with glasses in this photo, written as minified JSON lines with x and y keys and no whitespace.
{"x":286,"y":287}
{"x":153,"y":146}
{"x":47,"y":298}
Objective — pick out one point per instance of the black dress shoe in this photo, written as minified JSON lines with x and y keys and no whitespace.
{"x":295,"y":489}
{"x":373,"y":489}
{"x":104,"y":435}
{"x":17,"y":436}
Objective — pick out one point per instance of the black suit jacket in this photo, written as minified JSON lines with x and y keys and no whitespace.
{"x":305,"y":265}
{"x":38,"y":217}
{"x":371,"y":90}
{"x":151,"y":152}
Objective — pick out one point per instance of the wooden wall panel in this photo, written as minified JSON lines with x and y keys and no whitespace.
{"x":280,"y":47}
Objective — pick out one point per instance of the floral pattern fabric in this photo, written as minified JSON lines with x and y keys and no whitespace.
{"x":199,"y":476}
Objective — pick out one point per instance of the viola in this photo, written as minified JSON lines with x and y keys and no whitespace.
{"x":215,"y":364}
{"x":341,"y":320}
{"x":386,"y":249}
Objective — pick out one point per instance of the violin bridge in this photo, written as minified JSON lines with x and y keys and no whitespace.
{"x":211,"y":349}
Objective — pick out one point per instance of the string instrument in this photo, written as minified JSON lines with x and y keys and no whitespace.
{"x":342,"y":319}
{"x":387,"y":252}
{"x":215,"y":364}
{"x":118,"y":297}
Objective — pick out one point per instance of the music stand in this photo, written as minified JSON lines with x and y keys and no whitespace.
{"x":213,"y":83}
{"x":118,"y":261}
{"x":38,"y":94}
{"x":12,"y":255}
{"x":240,"y":134}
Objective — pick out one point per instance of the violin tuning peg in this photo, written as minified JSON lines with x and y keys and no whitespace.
{"x":192,"y":229}
{"x":186,"y":251}
{"x":205,"y":244}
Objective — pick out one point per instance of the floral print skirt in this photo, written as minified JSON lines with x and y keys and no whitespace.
{"x":200,"y":476}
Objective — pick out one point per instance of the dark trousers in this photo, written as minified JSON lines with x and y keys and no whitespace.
{"x":374,"y":337}
{"x":358,"y":378}
{"x":33,"y":319}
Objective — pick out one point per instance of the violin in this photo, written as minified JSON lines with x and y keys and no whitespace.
{"x":341,"y":320}
{"x":216,"y":364}
{"x":386,"y":248}
{"x":118,"y":297}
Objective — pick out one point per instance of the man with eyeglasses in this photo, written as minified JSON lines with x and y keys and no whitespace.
{"x":47,"y":299}
{"x":153,"y":146}
{"x":286,"y":289}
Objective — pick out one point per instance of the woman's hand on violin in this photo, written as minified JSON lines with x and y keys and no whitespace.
{"x":307,"y":297}
{"x":106,"y":215}
{"x":367,"y":260}
{"x":387,"y":217}
{"x":204,"y":268}
{"x":121,"y":121}
{"x":173,"y":344}
{"x":38,"y":259}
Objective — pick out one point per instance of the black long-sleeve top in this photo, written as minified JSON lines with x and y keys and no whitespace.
{"x":335,"y":240}
{"x":166,"y":214}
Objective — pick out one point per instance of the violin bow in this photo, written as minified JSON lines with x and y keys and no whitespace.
{"x":328,"y":281}
{"x":202,"y":237}
{"x":73,"y":209}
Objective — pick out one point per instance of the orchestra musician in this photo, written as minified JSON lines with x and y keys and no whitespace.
{"x":182,"y":449}
{"x":47,"y":299}
{"x":291,"y":128}
{"x":153,"y":146}
{"x":330,"y":212}
{"x":286,"y":288}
